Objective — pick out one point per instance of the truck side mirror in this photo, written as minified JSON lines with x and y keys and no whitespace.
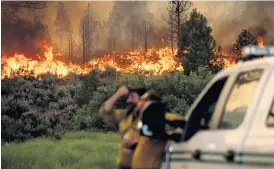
{"x":175,"y":129}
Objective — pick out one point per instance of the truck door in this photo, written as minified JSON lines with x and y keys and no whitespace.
{"x":258,"y":151}
{"x":217,"y":123}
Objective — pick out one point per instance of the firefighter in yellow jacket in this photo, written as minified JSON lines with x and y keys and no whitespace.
{"x":123,"y":119}
{"x":153,"y":126}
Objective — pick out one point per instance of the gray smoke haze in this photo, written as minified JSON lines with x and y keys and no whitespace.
{"x":227,"y":19}
{"x":75,"y":12}
{"x":132,"y":14}
{"x":21,"y":35}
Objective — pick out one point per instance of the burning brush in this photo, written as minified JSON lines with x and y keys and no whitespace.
{"x":154,"y":62}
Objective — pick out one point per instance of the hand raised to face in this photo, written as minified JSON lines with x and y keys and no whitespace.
{"x":123,"y":90}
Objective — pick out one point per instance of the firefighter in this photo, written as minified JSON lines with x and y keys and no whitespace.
{"x":156,"y":128}
{"x":123,"y":119}
{"x":150,"y":150}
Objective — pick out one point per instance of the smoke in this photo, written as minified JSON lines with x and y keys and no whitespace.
{"x":14,"y":37}
{"x":20,"y":35}
{"x":228,"y":19}
{"x":131,"y":13}
{"x":262,"y":15}
{"x":258,"y":31}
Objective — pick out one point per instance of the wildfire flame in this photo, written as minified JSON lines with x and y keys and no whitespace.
{"x":260,"y":41}
{"x":185,"y":51}
{"x":21,"y":65}
{"x":227,"y":59}
{"x":153,"y":62}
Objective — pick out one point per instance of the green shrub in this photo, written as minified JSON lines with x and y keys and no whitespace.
{"x":50,"y":106}
{"x":90,"y":82}
{"x":36,"y":107}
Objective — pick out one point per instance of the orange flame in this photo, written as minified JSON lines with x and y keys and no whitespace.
{"x":185,"y":51}
{"x":227,"y":59}
{"x":260,"y":41}
{"x":21,"y":65}
{"x":154,"y":62}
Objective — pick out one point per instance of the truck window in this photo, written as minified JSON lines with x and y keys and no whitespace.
{"x":241,"y":96}
{"x":270,"y":117}
{"x":201,"y":115}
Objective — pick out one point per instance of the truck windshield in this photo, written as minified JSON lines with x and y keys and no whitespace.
{"x":240,"y":98}
{"x":201,"y":115}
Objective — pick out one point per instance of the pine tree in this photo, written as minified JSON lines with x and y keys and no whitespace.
{"x":62,"y":22}
{"x":145,"y":34}
{"x":88,"y":29}
{"x":244,"y":38}
{"x":177,"y":15}
{"x":198,"y":41}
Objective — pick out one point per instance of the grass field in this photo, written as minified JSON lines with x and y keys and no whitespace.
{"x":79,"y":150}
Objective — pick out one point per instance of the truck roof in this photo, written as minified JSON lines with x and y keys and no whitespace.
{"x":251,"y":63}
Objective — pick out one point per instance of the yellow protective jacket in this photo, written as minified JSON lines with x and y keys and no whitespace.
{"x":149,"y":153}
{"x":114,"y":117}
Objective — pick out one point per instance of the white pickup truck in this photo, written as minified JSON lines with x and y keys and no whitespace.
{"x":231,"y":123}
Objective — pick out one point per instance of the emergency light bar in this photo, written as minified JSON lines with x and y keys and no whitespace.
{"x":257,"y":51}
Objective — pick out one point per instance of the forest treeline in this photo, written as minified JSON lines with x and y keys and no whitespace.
{"x":130,"y":26}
